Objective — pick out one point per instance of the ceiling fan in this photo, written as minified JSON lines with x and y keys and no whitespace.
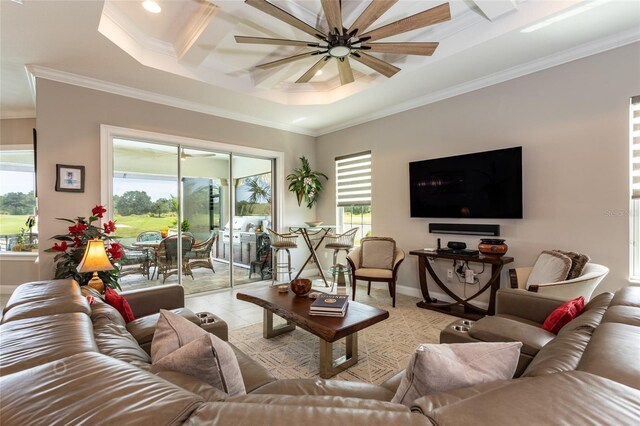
{"x":343,"y":43}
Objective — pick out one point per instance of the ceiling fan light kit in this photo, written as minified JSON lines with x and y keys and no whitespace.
{"x":343,"y":43}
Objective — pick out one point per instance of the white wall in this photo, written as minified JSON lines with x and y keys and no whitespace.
{"x":572,"y":122}
{"x":68,"y":123}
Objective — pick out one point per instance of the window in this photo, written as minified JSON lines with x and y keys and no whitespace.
{"x":353,"y":193}
{"x":17,"y":198}
{"x":635,"y":188}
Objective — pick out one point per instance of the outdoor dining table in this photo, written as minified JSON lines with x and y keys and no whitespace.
{"x":319,"y":235}
{"x":153,"y":245}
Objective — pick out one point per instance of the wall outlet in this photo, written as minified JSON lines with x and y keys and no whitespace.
{"x":449,"y":274}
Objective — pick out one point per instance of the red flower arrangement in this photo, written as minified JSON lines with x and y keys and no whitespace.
{"x":72,"y":246}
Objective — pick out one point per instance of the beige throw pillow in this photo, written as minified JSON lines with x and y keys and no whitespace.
{"x":180,"y":345}
{"x":438,"y":368}
{"x":377,"y":252}
{"x":550,"y":267}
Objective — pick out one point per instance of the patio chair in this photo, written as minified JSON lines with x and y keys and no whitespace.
{"x":135,"y":260}
{"x":200,"y":254}
{"x":263,"y":257}
{"x":167,"y":256}
{"x":149,"y":236}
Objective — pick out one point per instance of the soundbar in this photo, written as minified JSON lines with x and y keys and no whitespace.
{"x":464,"y":229}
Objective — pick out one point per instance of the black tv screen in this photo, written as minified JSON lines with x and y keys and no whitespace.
{"x":479,"y":185}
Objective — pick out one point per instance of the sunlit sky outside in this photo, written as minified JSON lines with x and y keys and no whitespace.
{"x":15,"y":182}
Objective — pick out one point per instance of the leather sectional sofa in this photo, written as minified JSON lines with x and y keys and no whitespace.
{"x":63,"y":361}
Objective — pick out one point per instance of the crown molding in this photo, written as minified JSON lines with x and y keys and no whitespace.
{"x":569,"y":55}
{"x":143,"y":95}
{"x":17,"y":114}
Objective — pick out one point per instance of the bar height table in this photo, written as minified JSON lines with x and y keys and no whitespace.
{"x":320,"y":233}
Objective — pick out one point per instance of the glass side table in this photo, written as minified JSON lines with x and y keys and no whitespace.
{"x":338,"y":273}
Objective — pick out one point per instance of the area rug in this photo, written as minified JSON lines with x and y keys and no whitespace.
{"x":384,"y":348}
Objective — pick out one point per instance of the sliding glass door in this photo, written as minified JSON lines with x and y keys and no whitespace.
{"x":189,"y":215}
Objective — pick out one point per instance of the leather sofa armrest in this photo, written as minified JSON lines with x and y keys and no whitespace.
{"x":525,"y":304}
{"x":149,"y":301}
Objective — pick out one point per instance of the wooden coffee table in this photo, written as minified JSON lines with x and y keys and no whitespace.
{"x":295,"y":310}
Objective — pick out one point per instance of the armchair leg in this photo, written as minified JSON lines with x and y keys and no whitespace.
{"x":353,"y":287}
{"x":369,"y":289}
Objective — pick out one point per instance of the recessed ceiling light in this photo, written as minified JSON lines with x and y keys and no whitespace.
{"x":319,"y":72}
{"x":151,"y":6}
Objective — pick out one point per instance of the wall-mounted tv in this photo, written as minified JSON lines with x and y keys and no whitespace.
{"x":479,"y":185}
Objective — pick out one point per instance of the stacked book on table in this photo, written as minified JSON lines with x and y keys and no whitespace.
{"x":330,"y":305}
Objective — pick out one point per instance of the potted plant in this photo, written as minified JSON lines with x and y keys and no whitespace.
{"x":73,"y":244}
{"x":306,"y":183}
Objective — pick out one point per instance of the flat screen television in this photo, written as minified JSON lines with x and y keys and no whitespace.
{"x":479,"y":185}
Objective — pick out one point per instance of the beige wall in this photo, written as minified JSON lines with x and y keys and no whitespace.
{"x":17,"y":131}
{"x":68,"y":123}
{"x":572,"y":122}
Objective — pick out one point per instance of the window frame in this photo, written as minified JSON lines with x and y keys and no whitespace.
{"x":634,"y":205}
{"x":363,"y":199}
{"x":32,"y":149}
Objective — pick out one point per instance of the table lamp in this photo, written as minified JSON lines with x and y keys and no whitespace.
{"x":95,"y":259}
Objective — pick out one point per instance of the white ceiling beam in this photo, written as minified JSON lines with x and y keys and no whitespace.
{"x":193,"y":32}
{"x":493,"y":9}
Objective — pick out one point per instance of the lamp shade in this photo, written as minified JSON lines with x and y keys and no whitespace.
{"x":95,"y":258}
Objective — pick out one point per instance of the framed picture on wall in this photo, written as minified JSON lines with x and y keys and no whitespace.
{"x":69,"y":178}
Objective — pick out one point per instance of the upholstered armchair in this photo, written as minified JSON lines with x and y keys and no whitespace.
{"x":377,"y":259}
{"x":584,"y":285}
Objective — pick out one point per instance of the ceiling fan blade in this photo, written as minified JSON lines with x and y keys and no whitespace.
{"x":307,"y":76}
{"x":419,"y":20}
{"x":346,"y":73}
{"x":276,"y":12}
{"x":274,"y":41}
{"x":384,"y":68}
{"x":333,"y":13}
{"x":287,"y":60}
{"x":375,"y":10}
{"x":424,"y":49}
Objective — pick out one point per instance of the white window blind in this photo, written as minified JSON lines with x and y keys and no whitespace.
{"x":353,"y":179}
{"x":635,"y":147}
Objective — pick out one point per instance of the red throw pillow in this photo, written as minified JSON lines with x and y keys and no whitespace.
{"x":120,"y":303}
{"x":563,"y":314}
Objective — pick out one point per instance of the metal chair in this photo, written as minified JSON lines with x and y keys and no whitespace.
{"x":263,"y":257}
{"x":339,"y":242}
{"x":167,"y":256}
{"x":281,"y":242}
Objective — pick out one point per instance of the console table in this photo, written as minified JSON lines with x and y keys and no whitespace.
{"x":460,"y":307}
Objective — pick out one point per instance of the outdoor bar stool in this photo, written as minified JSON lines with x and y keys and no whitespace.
{"x":281,"y":242}
{"x":339,"y":242}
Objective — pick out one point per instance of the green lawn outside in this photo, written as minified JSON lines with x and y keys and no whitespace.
{"x":366,"y":218}
{"x":11,"y":224}
{"x":131,"y":226}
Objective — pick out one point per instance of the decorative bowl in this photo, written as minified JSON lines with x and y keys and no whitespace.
{"x":314,"y":223}
{"x":301,"y":286}
{"x":492,"y":247}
